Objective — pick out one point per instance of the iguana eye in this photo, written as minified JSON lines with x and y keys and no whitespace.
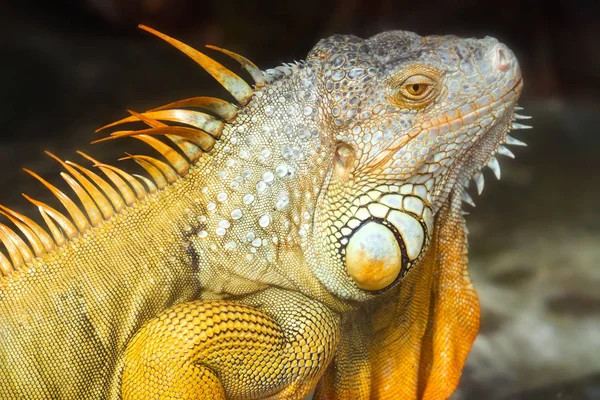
{"x":414,"y":87}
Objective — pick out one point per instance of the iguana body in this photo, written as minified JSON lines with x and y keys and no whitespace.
{"x":311,"y":235}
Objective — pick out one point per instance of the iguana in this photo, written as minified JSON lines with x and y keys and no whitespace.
{"x":309,"y":235}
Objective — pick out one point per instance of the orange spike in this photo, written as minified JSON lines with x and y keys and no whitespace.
{"x":19,"y":243}
{"x":36,"y":244}
{"x":99,"y":198}
{"x":46,"y":240}
{"x":151,"y":186}
{"x":253,"y":70}
{"x":138,"y":188}
{"x":230,"y":81}
{"x":111,"y":193}
{"x":192,"y":152}
{"x":64,"y":222}
{"x":138,"y":116}
{"x":196,"y":136}
{"x":176,"y":160}
{"x":59,"y":238}
{"x":6,"y":266}
{"x":125,"y":190}
{"x":13,"y":251}
{"x":78,"y":217}
{"x":168,"y":172}
{"x":196,"y":119}
{"x":147,"y":119}
{"x":222,"y":108}
{"x":113,"y":136}
{"x":154,"y":172}
{"x":90,"y":207}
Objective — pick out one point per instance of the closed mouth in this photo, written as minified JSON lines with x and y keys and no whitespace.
{"x":518,"y":86}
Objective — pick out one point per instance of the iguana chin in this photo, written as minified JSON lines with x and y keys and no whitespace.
{"x":311,"y":235}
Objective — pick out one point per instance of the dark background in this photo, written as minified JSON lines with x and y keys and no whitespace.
{"x":69,"y":66}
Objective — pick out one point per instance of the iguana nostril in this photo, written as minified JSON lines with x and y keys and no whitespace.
{"x":501,"y":58}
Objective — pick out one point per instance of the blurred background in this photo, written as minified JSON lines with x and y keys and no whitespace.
{"x":70,"y":66}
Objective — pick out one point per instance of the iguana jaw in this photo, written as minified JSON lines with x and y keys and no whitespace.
{"x":483,"y":152}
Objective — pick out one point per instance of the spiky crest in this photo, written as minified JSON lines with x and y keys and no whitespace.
{"x":102,"y":201}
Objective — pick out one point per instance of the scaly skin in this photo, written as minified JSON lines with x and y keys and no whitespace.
{"x":320,"y":242}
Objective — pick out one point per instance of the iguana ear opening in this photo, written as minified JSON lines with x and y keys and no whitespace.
{"x":344,"y":158}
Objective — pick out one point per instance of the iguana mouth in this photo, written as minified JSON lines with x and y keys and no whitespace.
{"x":519,"y":85}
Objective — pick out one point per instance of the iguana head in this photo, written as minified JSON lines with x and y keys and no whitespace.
{"x":412,"y":119}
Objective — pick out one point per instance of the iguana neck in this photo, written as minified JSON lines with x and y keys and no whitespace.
{"x":254,"y":198}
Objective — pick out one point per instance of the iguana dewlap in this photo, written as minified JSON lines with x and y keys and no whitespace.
{"x":310,"y":235}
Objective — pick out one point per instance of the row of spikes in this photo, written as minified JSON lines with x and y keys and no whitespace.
{"x":100,"y":200}
{"x":493,"y":163}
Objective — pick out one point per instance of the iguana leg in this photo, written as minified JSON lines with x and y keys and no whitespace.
{"x":419,"y":333}
{"x":274,"y":345}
